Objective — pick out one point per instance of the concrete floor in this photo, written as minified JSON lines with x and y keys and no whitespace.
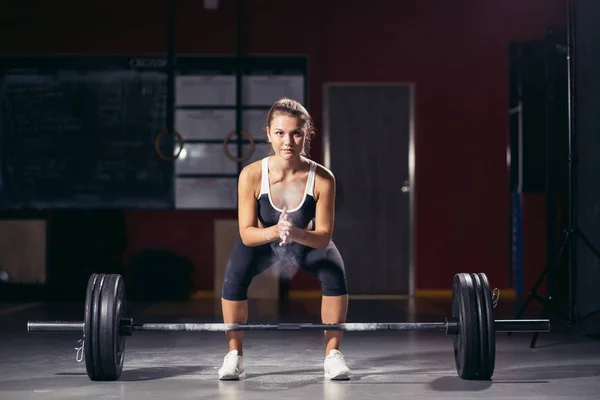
{"x":289,"y":365}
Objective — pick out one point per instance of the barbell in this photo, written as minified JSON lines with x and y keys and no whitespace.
{"x":472,"y":326}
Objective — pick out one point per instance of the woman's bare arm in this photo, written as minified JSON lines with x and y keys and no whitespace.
{"x":250,"y":233}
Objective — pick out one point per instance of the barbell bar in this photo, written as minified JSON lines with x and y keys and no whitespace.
{"x":471,"y":326}
{"x":449,"y":327}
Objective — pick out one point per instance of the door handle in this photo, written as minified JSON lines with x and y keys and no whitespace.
{"x":406,"y":187}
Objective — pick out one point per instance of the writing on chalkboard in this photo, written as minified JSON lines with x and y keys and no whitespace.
{"x":83,"y":138}
{"x":145,"y":62}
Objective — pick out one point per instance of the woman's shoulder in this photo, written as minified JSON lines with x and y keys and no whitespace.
{"x":322,"y":172}
{"x":252,"y":172}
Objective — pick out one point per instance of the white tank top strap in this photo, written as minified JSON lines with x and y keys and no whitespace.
{"x":310,"y":185}
{"x":264,"y":180}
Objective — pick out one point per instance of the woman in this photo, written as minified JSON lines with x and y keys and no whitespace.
{"x":285,"y":202}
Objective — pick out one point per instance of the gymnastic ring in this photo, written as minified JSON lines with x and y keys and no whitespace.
{"x":157,"y":145}
{"x":245,"y":156}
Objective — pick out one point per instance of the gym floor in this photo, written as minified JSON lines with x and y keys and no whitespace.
{"x":165,"y":365}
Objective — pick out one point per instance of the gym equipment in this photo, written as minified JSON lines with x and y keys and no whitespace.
{"x":472,"y":326}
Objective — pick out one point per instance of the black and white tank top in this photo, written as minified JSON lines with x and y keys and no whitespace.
{"x":301,"y":215}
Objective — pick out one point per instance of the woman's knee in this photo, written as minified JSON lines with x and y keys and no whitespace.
{"x":333,"y":281}
{"x":241,"y":268}
{"x":332,"y":277}
{"x":327,"y":264}
{"x":243,"y":265}
{"x":234,"y":291}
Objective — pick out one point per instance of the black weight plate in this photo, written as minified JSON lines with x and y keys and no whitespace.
{"x":90,"y":365}
{"x":482,"y":370}
{"x":473,"y":358}
{"x":111,"y":342}
{"x":466,"y":341}
{"x":491,"y":329}
{"x":459,"y":315}
{"x":94,"y":341}
{"x":122,"y":307}
{"x":103,"y":325}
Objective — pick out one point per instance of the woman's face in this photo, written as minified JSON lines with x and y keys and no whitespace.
{"x":286,"y":136}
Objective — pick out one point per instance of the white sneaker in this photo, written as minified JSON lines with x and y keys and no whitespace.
{"x":233,"y":367}
{"x":335,"y":366}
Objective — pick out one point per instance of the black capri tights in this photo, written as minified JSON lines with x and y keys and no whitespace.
{"x":247,"y":262}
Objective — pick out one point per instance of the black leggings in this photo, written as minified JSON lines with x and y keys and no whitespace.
{"x":247,"y":262}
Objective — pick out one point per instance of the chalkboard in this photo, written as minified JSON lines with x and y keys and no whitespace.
{"x":79,"y":132}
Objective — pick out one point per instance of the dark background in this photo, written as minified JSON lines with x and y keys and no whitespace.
{"x":456,"y":53}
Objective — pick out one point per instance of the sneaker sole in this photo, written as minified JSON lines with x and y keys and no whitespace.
{"x":232,"y":377}
{"x":341,"y":377}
